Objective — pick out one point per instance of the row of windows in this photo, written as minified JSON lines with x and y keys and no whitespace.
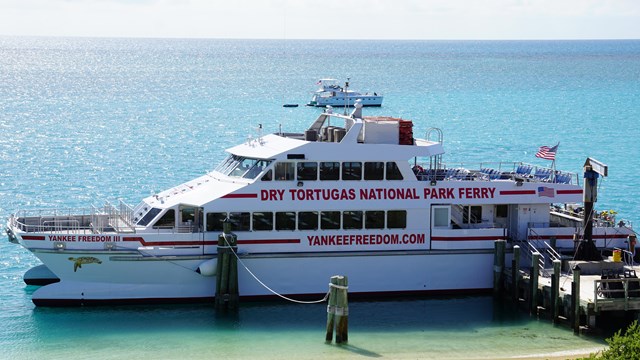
{"x":308,"y":220}
{"x":310,"y":170}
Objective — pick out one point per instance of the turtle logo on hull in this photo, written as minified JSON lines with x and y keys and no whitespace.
{"x":77,"y":262}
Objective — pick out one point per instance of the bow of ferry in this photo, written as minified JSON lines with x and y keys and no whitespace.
{"x":352,"y":195}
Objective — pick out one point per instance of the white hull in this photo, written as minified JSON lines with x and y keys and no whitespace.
{"x":370,"y":274}
{"x":367,"y":100}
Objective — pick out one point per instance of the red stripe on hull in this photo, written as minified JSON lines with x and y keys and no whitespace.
{"x":570,"y":237}
{"x":270,"y":241}
{"x":470,"y":238}
{"x":566,"y":192}
{"x":240,"y":196}
{"x":174,"y":243}
{"x":517,"y":192}
{"x":29,"y":237}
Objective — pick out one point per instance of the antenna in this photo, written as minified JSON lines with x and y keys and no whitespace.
{"x":346,"y":96}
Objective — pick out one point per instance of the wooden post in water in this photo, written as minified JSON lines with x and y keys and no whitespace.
{"x":227,"y":275}
{"x":575,"y":300}
{"x":232,"y":288}
{"x":515,"y":273}
{"x":331,"y":308}
{"x":535,"y":270}
{"x":338,"y":310}
{"x":498,"y":267}
{"x":342,"y":312}
{"x":555,"y":290}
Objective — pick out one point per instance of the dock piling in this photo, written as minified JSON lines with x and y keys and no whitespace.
{"x":227,"y":294}
{"x":498,"y":267}
{"x":575,"y":299}
{"x":535,"y":271}
{"x":338,"y":310}
{"x":515,"y":273}
{"x":555,"y":289}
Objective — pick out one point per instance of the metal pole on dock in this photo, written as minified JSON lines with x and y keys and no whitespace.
{"x":535,"y":270}
{"x":555,"y":289}
{"x":498,"y":267}
{"x":575,"y":300}
{"x":515,"y":273}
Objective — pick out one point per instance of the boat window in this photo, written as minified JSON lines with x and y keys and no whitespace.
{"x":187,"y":214}
{"x":149,"y":216}
{"x":308,"y":220}
{"x":262,"y":221}
{"x":393,"y":173}
{"x":352,"y":219}
{"x":330,"y":220}
{"x":240,"y":221}
{"x":307,"y":171}
{"x":396,"y":219}
{"x":471,"y":214}
{"x":238,"y":166}
{"x":374,"y":170}
{"x":286,"y":220}
{"x":167,"y":221}
{"x":256,"y":168}
{"x":441,"y":216}
{"x":215,"y":220}
{"x":374,"y":219}
{"x":267,"y":176}
{"x":351,"y":171}
{"x":228,"y":162}
{"x":329,"y":171}
{"x":502,"y":211}
{"x":284,"y":171}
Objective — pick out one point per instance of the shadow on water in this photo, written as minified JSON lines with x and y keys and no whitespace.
{"x":357,"y":350}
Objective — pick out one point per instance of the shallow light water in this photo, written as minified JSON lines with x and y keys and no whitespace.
{"x":86,"y":120}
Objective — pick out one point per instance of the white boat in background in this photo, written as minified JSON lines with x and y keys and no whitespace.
{"x":330,"y":93}
{"x":351,"y":195}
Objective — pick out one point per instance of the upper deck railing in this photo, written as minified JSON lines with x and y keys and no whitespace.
{"x":93,"y":220}
{"x":516,"y":171}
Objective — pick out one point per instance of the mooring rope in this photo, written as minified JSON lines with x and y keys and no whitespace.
{"x":326,"y":296}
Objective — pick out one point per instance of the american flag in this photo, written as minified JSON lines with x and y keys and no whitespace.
{"x":546,"y":191}
{"x":547,"y":153}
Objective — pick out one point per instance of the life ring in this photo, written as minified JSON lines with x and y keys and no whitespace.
{"x":417,"y":169}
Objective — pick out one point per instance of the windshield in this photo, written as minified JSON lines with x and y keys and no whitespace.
{"x":238,"y":166}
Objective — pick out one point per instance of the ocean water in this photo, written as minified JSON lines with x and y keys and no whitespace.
{"x":87,"y":120}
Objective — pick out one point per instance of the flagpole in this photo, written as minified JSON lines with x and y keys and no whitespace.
{"x":553,"y":164}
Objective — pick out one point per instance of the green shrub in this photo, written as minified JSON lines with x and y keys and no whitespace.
{"x":622,"y":346}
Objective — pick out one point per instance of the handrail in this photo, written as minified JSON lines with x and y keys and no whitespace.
{"x":503,"y":170}
{"x":602,"y":291}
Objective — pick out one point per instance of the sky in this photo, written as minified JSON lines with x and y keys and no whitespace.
{"x":325,"y":19}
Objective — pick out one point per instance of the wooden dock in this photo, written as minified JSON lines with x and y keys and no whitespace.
{"x":605,"y":289}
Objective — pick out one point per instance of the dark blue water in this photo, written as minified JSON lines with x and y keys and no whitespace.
{"x":87,"y":120}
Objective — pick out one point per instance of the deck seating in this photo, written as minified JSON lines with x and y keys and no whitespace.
{"x":492,"y":174}
{"x":563,"y":178}
{"x":523,"y":169}
{"x":542,"y":174}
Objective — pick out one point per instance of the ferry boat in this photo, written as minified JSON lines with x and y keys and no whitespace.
{"x":352,"y":195}
{"x":330,"y":93}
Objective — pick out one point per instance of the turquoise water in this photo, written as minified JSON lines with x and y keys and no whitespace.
{"x":88,"y":120}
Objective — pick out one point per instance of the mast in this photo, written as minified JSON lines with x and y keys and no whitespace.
{"x":586,"y":247}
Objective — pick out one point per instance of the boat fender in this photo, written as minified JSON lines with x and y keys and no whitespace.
{"x":12,"y":237}
{"x":208,"y":267}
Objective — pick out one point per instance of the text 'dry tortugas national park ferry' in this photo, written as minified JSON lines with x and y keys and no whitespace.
{"x":352,"y":195}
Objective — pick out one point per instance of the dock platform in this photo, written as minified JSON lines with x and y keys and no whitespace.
{"x":606,"y":289}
